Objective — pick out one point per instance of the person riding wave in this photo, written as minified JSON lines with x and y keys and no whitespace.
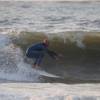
{"x":37,"y":51}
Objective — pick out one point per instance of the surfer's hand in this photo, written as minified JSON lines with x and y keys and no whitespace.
{"x":59,"y":57}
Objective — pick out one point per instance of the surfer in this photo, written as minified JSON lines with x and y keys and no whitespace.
{"x":38,"y":51}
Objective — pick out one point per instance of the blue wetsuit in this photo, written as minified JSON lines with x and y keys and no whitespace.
{"x":38,"y":51}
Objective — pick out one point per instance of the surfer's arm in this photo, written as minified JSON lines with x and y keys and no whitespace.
{"x":52,"y":54}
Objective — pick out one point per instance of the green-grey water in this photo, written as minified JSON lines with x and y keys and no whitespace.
{"x":73,"y":29}
{"x":80,"y":61}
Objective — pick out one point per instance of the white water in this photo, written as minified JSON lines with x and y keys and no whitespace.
{"x":12,"y":64}
{"x":43,"y":91}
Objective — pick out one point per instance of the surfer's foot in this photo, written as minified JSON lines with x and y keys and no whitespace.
{"x":36,"y":66}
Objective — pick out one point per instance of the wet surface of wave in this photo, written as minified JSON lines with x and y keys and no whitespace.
{"x":80,"y":61}
{"x":81,"y":53}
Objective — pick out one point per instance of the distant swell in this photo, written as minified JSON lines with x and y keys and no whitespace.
{"x":50,"y":16}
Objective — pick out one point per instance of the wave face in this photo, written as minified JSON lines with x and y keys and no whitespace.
{"x":81,"y":51}
{"x":50,"y":16}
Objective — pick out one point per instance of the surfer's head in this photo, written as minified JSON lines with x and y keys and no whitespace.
{"x":46,"y":42}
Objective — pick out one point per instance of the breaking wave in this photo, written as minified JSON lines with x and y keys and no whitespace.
{"x":81,"y":51}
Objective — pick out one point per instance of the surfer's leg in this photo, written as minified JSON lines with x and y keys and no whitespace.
{"x":35,"y":56}
{"x":35,"y":62}
{"x":39,"y":61}
{"x":38,"y":58}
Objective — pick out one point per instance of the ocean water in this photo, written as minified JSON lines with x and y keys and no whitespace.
{"x":73,"y":29}
{"x":50,"y":16}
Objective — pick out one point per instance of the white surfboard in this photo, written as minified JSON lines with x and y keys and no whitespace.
{"x":44,"y":73}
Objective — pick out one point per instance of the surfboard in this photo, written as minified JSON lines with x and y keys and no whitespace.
{"x":44,"y":73}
